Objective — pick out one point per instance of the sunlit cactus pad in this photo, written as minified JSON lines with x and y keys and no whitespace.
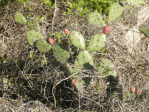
{"x":115,"y":11}
{"x":97,"y":42}
{"x":77,"y":40}
{"x":43,"y":46}
{"x":60,"y":52}
{"x":135,"y":2}
{"x":84,"y":59}
{"x":32,"y":36}
{"x":20,"y":18}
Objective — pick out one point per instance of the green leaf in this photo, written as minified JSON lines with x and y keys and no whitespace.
{"x":85,"y":9}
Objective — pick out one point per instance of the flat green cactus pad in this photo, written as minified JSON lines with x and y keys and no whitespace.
{"x":97,"y":42}
{"x":106,"y":68}
{"x":145,"y":31}
{"x":32,"y":24}
{"x":84,"y":59}
{"x":115,"y":11}
{"x":95,"y":18}
{"x":32,"y":36}
{"x":43,"y":46}
{"x":135,"y":2}
{"x":20,"y":18}
{"x":77,"y":40}
{"x":60,"y":52}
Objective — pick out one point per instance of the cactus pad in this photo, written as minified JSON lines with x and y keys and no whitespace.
{"x":145,"y":31}
{"x":32,"y":24}
{"x":83,"y":59}
{"x":97,"y":42}
{"x":77,"y":40}
{"x":32,"y":36}
{"x":43,"y":46}
{"x":20,"y":18}
{"x":115,"y":11}
{"x":106,"y":68}
{"x":95,"y":18}
{"x":135,"y":2}
{"x":60,"y":52}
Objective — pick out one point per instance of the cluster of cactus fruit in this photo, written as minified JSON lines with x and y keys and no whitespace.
{"x":84,"y":58}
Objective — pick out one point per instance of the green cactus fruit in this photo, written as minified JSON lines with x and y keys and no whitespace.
{"x":77,"y":40}
{"x":20,"y":18}
{"x":97,"y":42}
{"x":135,"y":2}
{"x":32,"y":24}
{"x":43,"y":46}
{"x":60,"y":52}
{"x":106,"y":68}
{"x":32,"y":36}
{"x":115,"y":11}
{"x":95,"y":18}
{"x":84,"y":59}
{"x":145,"y":31}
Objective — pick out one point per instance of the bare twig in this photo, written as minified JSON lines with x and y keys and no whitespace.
{"x":54,"y":16}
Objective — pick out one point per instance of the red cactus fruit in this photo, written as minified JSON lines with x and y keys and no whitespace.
{"x":74,"y":82}
{"x":133,"y":90}
{"x":139,"y":92}
{"x":51,"y":41}
{"x":67,"y":31}
{"x":106,"y":29}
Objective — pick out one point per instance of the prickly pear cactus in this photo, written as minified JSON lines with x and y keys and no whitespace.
{"x":77,"y":40}
{"x":115,"y":11}
{"x":106,"y":68}
{"x":20,"y":18}
{"x":32,"y":36}
{"x":84,"y":59}
{"x":32,"y":24}
{"x":95,"y":18}
{"x":97,"y":42}
{"x":60,"y":52}
{"x":135,"y":2}
{"x":43,"y":46}
{"x":145,"y":31}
